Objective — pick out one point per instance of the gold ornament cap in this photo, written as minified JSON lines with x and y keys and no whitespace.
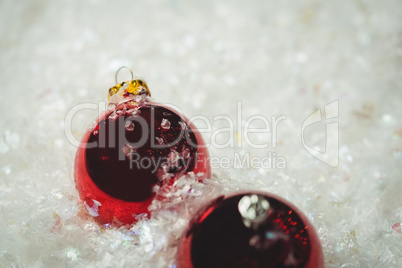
{"x":134,"y":86}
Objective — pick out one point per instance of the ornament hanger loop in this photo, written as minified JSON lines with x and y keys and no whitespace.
{"x":118,"y":70}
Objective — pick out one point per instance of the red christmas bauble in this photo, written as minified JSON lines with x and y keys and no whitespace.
{"x":235,"y":232}
{"x":132,"y":147}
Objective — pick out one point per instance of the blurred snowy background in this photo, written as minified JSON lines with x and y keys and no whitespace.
{"x":276,"y":57}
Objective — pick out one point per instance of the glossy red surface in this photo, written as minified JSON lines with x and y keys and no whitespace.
{"x":129,"y":150}
{"x":217,"y":237}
